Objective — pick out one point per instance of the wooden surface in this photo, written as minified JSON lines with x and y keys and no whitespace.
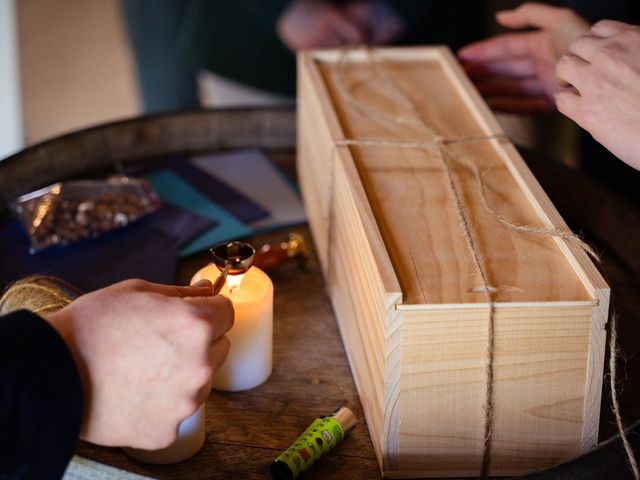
{"x":418,"y":353}
{"x":248,"y":430}
{"x":311,"y":375}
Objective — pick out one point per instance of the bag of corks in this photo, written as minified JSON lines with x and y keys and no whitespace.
{"x":66,"y":212}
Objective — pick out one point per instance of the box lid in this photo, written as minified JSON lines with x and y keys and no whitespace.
{"x":385,"y":104}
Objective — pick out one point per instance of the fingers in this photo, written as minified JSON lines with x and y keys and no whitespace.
{"x":317,"y":25}
{"x":359,"y":12}
{"x":568,"y":103}
{"x":378,"y":22}
{"x":203,"y":282}
{"x":608,"y":28}
{"x":531,"y":14}
{"x":585,"y":47}
{"x":511,"y":45}
{"x":202,"y":288}
{"x":216,"y":355}
{"x":572,"y":70}
{"x":345,"y":31}
{"x":217,"y":311}
{"x":218,"y":352}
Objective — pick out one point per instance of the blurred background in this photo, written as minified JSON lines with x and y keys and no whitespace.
{"x":69,"y":64}
{"x":76,"y":67}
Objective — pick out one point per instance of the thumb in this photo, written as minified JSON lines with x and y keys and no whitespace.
{"x":530,"y":15}
{"x":347,"y":31}
{"x":202,"y":288}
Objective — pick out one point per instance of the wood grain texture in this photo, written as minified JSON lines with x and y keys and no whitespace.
{"x":539,"y":377}
{"x":420,"y":365}
{"x":416,"y":213}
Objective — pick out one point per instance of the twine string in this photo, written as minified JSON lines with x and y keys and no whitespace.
{"x":480,"y":180}
{"x":613,"y":357}
{"x":40,"y":294}
{"x":440,"y":144}
{"x":437,"y":141}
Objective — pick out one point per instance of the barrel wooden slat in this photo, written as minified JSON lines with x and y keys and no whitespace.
{"x":142,"y":140}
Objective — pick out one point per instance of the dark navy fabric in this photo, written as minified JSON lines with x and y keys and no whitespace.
{"x":146,"y":249}
{"x":41,"y":399}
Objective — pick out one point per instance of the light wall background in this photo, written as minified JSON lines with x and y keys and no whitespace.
{"x":76,"y":68}
{"x":10,"y":107}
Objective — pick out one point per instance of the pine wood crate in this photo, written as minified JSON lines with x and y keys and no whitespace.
{"x":406,"y":292}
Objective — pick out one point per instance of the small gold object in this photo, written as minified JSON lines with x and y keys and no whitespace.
{"x":231,"y":258}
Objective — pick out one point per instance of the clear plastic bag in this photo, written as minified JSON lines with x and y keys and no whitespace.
{"x":66,"y":212}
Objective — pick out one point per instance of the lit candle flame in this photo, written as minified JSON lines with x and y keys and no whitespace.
{"x":234,"y":281}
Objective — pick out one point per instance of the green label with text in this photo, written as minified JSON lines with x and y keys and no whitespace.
{"x":321,"y":436}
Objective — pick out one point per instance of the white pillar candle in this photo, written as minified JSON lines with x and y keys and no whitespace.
{"x":249,"y":362}
{"x":189,"y":442}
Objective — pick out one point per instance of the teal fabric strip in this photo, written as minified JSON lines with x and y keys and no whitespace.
{"x":172,"y":189}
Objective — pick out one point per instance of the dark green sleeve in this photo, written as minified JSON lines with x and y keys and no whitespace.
{"x":452,"y":22}
{"x":238,"y":40}
{"x":412,"y":12}
{"x":266,"y":13}
{"x":40,"y":399}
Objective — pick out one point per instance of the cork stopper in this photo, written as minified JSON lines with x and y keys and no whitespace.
{"x":345,"y":417}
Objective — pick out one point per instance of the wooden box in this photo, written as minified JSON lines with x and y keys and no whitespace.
{"x":386,"y":139}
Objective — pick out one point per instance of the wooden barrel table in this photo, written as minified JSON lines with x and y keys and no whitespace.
{"x":311,"y":376}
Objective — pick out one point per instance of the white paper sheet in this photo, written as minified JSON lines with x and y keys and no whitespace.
{"x":252,"y":173}
{"x":82,"y":468}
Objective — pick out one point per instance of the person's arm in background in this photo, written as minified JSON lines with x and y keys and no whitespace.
{"x":238,"y":40}
{"x":122,"y":366}
{"x":306,"y":24}
{"x":153,"y":29}
{"x":516,"y":71}
{"x":602,"y":70}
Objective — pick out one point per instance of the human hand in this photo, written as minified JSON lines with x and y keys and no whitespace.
{"x":321,"y":24}
{"x":146,"y":354}
{"x":317,"y":24}
{"x":603,"y":97}
{"x":516,"y":71}
{"x":376,"y":19}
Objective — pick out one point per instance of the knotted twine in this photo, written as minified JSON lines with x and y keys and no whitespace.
{"x":439,"y":144}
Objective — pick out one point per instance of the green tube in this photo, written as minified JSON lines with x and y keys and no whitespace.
{"x":319,"y":438}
